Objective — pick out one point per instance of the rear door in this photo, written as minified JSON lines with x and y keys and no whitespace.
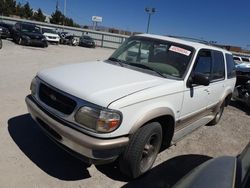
{"x":217,"y":79}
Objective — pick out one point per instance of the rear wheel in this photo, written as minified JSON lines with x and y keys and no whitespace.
{"x":218,"y":115}
{"x":142,"y":150}
{"x":1,"y":43}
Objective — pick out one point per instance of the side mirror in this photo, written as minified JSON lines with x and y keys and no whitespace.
{"x":198,"y":79}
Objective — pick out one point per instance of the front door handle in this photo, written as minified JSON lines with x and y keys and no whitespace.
{"x":207,"y":90}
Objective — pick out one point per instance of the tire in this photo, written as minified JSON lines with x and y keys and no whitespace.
{"x":45,"y":45}
{"x":1,"y":43}
{"x":20,"y":41}
{"x":140,"y":154}
{"x":218,"y":115}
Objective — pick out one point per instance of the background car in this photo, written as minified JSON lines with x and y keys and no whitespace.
{"x":50,"y":34}
{"x":68,"y":39}
{"x":4,"y":32}
{"x":87,"y":41}
{"x":28,"y":34}
{"x":1,"y":44}
{"x":7,"y":26}
{"x":222,"y":172}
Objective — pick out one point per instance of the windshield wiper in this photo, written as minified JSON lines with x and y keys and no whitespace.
{"x":148,"y":68}
{"x":120,"y":62}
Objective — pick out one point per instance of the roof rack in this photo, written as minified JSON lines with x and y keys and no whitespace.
{"x":189,"y":39}
{"x":211,"y":43}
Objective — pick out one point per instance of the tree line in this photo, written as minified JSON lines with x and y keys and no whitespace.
{"x":10,"y":8}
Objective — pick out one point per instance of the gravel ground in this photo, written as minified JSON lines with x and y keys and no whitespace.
{"x":29,"y":159}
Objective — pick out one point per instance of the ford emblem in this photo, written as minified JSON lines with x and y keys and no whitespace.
{"x":52,"y":97}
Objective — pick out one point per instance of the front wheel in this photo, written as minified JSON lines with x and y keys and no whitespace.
{"x":1,"y":43}
{"x":142,"y":150}
{"x":45,"y":45}
{"x":20,"y":41}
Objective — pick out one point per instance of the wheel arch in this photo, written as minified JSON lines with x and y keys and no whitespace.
{"x":164,"y":116}
{"x":227,"y":97}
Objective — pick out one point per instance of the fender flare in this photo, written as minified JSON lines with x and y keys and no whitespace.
{"x":152,"y":114}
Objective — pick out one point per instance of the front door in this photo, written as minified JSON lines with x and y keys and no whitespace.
{"x":196,"y":98}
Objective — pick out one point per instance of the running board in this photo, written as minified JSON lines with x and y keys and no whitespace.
{"x":178,"y":135}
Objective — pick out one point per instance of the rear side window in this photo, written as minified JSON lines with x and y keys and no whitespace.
{"x":236,"y":58}
{"x":218,"y":66}
{"x":245,"y":59}
{"x":231,"y":73}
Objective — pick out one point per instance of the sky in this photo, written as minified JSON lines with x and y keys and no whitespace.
{"x":223,"y":21}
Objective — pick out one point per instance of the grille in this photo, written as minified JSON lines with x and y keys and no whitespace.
{"x":56,"y":100}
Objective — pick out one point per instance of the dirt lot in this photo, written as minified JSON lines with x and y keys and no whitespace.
{"x":29,"y":159}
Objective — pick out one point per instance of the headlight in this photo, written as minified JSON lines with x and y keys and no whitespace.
{"x":26,"y":37}
{"x":98,"y":120}
{"x":33,"y":86}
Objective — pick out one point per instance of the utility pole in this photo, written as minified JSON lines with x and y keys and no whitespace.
{"x":150,"y":11}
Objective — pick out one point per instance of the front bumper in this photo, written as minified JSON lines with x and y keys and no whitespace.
{"x":52,"y":39}
{"x":35,"y":42}
{"x":4,"y":35}
{"x":90,"y":149}
{"x":92,"y":45}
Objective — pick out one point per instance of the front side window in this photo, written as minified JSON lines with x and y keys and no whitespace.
{"x":245,"y":59}
{"x":166,"y":58}
{"x":218,"y":66}
{"x":203,"y":63}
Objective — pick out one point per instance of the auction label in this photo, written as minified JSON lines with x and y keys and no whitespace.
{"x":180,"y":50}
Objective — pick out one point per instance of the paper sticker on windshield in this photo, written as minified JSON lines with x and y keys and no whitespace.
{"x":180,"y":50}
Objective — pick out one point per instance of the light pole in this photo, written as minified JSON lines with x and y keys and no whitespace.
{"x":64,"y":13}
{"x":65,"y":4}
{"x":150,"y":11}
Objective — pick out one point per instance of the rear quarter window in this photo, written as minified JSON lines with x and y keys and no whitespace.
{"x":231,"y":72}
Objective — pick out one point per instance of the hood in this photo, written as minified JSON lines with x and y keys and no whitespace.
{"x":51,"y":35}
{"x":98,"y":82}
{"x":33,"y":35}
{"x":243,"y":67}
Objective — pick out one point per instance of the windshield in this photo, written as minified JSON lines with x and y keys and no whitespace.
{"x":30,"y":28}
{"x":165,"y":58}
{"x":46,"y":30}
{"x":86,"y":38}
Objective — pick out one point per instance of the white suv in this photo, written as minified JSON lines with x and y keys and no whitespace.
{"x":150,"y":93}
{"x":50,"y":34}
